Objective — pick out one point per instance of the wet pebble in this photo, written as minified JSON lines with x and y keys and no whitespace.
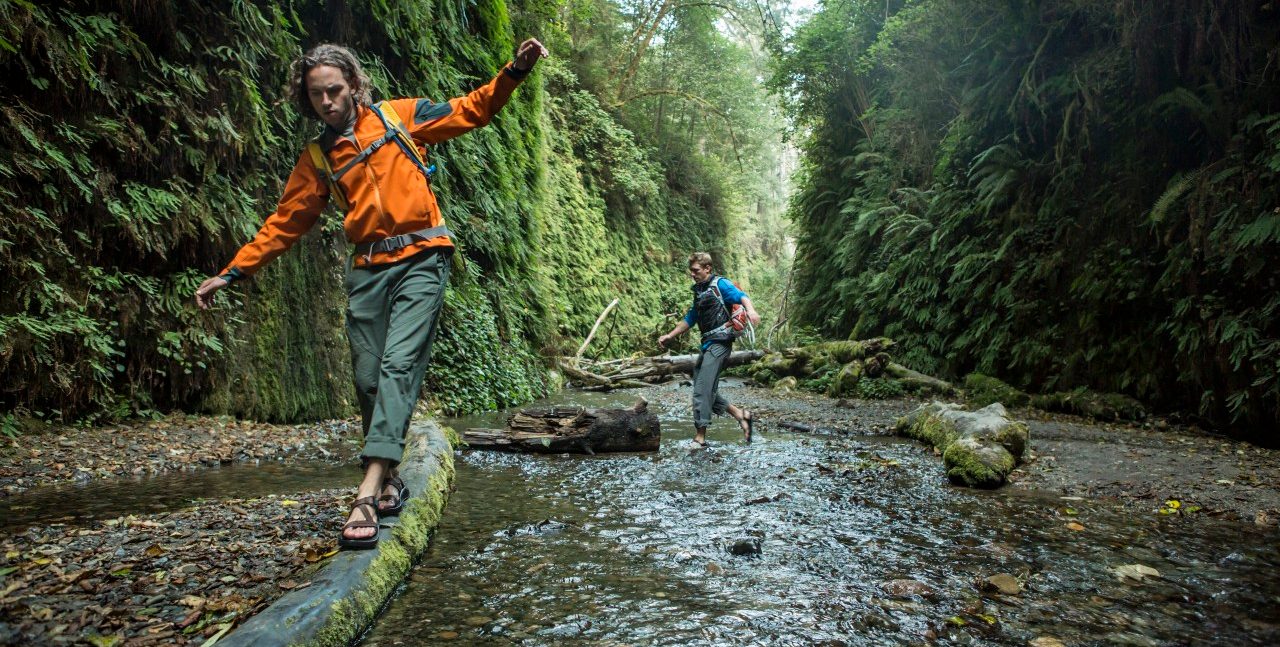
{"x":747,"y":546}
{"x":907,"y":588}
{"x":1002,"y":583}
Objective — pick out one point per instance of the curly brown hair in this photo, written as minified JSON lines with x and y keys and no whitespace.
{"x":334,"y":56}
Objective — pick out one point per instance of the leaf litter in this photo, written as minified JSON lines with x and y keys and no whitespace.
{"x":183,"y":577}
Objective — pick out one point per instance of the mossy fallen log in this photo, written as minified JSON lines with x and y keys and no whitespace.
{"x":917,"y":381}
{"x":979,"y":448}
{"x":347,"y":591}
{"x":573,"y":430}
{"x":981,"y":390}
{"x":1107,"y":407}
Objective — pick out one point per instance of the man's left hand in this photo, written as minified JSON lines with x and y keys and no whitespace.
{"x":754,"y":317}
{"x":528,"y":53}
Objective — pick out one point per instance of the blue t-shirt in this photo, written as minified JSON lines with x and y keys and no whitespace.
{"x":731,"y":295}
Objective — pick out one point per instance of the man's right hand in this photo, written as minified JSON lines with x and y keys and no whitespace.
{"x":662,"y":341}
{"x":204,"y":293}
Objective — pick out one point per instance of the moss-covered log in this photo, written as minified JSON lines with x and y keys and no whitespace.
{"x":979,"y":448}
{"x":981,"y":390}
{"x":349,"y":590}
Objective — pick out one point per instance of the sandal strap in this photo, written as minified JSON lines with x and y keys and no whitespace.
{"x":395,"y":482}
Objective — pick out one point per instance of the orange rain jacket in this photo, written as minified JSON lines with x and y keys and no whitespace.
{"x":387,"y":193}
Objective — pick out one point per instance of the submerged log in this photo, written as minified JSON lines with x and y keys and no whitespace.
{"x":573,"y":430}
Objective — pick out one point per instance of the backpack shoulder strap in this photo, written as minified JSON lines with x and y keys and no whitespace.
{"x":391,"y":120}
{"x":325,"y":169}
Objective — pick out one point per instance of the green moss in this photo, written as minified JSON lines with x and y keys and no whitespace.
{"x":1099,"y":406}
{"x":454,"y":438}
{"x":981,"y":390}
{"x":971,"y":465}
{"x":846,"y":380}
{"x":969,"y":460}
{"x":1014,"y":438}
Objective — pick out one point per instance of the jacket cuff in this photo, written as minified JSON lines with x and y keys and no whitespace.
{"x":232,"y":275}
{"x":512,"y":72}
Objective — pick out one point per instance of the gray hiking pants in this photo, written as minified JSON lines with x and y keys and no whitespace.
{"x":706,"y":385}
{"x":392,"y":314}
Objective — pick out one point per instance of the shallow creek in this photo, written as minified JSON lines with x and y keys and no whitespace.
{"x":802,"y":540}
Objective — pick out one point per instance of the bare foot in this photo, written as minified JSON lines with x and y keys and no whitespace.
{"x":363,"y":512}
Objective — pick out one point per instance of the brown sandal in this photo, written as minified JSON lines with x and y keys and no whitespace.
{"x":396,"y":500}
{"x":369,"y":521}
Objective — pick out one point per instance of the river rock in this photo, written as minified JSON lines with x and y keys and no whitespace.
{"x":747,"y":546}
{"x":1003,"y":583}
{"x":788,"y":383}
{"x":979,"y":448}
{"x":907,"y":589}
{"x":1046,"y":641}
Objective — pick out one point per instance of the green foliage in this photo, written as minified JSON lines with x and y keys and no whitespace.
{"x":880,"y":388}
{"x":1060,"y":194}
{"x":146,"y":144}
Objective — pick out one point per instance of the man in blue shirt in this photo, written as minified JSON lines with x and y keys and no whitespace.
{"x":712,"y":298}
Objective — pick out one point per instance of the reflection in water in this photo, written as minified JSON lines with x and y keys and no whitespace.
{"x":630,"y":549}
{"x":110,"y":498}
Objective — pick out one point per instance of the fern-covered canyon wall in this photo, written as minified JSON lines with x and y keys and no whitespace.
{"x":1061,"y":194}
{"x":147,"y":141}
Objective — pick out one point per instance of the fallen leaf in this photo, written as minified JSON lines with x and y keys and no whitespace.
{"x":289,"y":502}
{"x":154,"y":550}
{"x":1075,"y":526}
{"x":190,"y":618}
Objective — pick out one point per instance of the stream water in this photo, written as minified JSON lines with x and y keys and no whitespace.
{"x":802,"y":540}
{"x":794,"y":540}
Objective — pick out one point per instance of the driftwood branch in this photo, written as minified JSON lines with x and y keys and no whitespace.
{"x":631,"y":373}
{"x":577,"y":358}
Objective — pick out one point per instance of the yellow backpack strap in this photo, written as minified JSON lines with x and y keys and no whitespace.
{"x":391,"y":119}
{"x":321,"y":162}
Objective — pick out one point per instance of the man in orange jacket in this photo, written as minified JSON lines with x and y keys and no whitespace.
{"x":368,"y":160}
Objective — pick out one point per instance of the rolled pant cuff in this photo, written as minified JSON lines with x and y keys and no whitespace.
{"x":385,"y":450}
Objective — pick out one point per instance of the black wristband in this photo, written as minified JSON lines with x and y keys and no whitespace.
{"x":518,"y":75}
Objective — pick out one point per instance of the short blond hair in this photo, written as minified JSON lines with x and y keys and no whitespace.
{"x":701,"y":258}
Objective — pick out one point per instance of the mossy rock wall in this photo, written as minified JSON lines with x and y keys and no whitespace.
{"x":147,"y":142}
